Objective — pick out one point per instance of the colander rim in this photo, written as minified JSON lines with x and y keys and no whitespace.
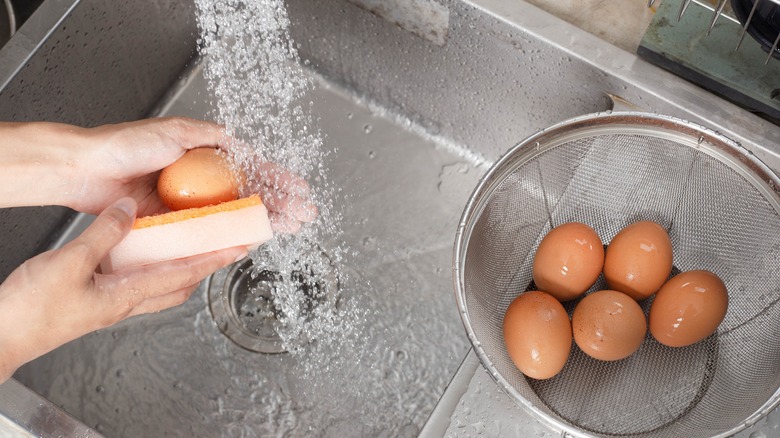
{"x":698,"y":136}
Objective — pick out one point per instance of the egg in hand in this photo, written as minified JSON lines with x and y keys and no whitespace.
{"x":201,"y":177}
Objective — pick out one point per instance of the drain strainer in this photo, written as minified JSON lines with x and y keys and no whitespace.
{"x":241,"y":298}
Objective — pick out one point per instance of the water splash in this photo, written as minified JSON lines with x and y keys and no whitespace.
{"x":353,"y":357}
{"x":260,"y":96}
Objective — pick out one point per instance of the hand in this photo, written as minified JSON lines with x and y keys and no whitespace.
{"x":121,"y":160}
{"x":58,"y":296}
{"x":87,"y":169}
{"x":124,"y":160}
{"x":287,"y":197}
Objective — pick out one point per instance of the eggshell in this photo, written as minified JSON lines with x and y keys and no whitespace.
{"x":568,"y":261}
{"x":688,"y":308}
{"x":608,"y":325}
{"x":201,"y":177}
{"x":537,"y":333}
{"x":638,"y":260}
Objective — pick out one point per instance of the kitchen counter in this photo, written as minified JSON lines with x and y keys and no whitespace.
{"x":621,"y":23}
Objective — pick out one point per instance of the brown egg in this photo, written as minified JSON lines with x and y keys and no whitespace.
{"x":608,"y":325}
{"x":568,"y":261}
{"x":688,"y":308}
{"x":199,"y":178}
{"x":537,"y":333}
{"x":639,"y":260}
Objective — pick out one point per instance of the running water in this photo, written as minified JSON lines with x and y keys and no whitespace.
{"x":380,"y":350}
{"x":259,"y":89}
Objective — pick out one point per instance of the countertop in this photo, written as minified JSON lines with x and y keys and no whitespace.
{"x":621,"y":23}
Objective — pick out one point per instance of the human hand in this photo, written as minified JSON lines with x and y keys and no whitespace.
{"x":58,"y":296}
{"x":287,"y":197}
{"x":125,"y":160}
{"x":87,"y":169}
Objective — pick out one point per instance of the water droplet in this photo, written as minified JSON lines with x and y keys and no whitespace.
{"x":371,"y":154}
{"x":350,"y":115}
{"x":100,"y":389}
{"x":368,"y":128}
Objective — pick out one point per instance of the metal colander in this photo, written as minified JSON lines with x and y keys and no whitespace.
{"x":721,"y":208}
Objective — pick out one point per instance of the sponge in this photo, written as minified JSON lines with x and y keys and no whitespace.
{"x":192,"y":231}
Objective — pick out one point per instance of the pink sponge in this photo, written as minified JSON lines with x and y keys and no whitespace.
{"x":192,"y":231}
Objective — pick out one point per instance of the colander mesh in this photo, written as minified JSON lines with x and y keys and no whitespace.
{"x":716,"y":219}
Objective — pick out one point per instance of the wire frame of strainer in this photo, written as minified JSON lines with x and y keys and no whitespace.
{"x":721,"y":208}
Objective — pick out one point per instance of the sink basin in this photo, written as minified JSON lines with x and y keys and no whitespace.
{"x":412,"y":120}
{"x":175,"y":373}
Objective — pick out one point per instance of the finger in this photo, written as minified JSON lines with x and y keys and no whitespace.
{"x":281,"y":180}
{"x":233,"y":145}
{"x":164,"y":277}
{"x":108,"y":229}
{"x":155,"y":143}
{"x":152,"y":205}
{"x":165,"y":301}
{"x":190,"y":133}
{"x":301,"y":209}
{"x":144,"y":191}
{"x":282,"y":223}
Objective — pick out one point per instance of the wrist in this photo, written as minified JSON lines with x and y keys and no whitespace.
{"x":39,"y":163}
{"x":9,"y":357}
{"x":23,"y":332}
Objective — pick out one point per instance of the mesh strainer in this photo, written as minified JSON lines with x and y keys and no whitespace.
{"x":721,"y":208}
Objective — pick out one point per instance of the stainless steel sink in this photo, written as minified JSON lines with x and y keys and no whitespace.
{"x":413,"y":119}
{"x":175,"y":373}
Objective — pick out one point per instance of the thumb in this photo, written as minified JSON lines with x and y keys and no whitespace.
{"x":108,"y":229}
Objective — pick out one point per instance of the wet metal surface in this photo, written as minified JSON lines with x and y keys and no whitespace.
{"x":410,"y":139}
{"x":175,"y":373}
{"x":242,"y":303}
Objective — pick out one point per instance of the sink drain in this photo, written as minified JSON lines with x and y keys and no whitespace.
{"x":241,"y":298}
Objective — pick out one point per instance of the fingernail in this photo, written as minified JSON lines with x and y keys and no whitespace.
{"x":127,"y":205}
